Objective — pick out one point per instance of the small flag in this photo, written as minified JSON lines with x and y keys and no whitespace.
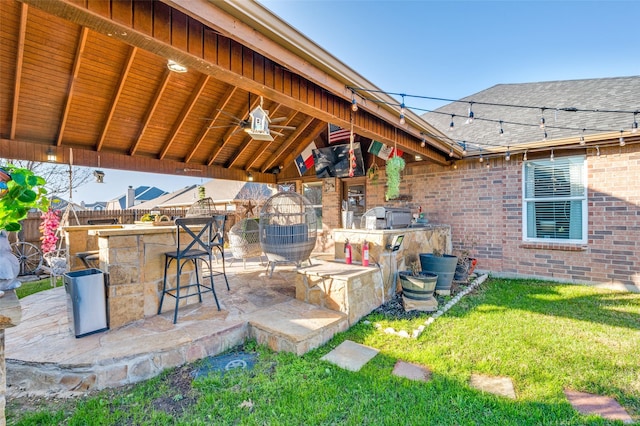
{"x":383,"y":151}
{"x":338,"y":134}
{"x":304,"y":161}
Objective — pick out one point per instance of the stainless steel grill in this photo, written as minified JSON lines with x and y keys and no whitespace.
{"x":386,"y":218}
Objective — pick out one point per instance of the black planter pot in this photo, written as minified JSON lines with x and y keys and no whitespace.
{"x":443,"y":266}
{"x":418,"y":287}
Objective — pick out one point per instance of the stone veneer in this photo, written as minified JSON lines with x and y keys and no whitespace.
{"x":10,"y":316}
{"x":351,"y":289}
{"x":416,"y":241}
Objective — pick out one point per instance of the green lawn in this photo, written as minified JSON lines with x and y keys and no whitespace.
{"x":30,"y":287}
{"x":545,"y":336}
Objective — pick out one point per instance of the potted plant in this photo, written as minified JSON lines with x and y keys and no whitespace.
{"x":395,"y":165}
{"x":443,"y":265}
{"x":20,"y":192}
{"x":417,"y":284}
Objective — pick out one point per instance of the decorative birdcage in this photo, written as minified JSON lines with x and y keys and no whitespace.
{"x":202,"y":207}
{"x":288,"y":228}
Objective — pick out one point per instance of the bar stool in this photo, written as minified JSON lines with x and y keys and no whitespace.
{"x":217,"y":243}
{"x":193,"y":247}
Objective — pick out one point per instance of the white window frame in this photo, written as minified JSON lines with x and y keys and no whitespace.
{"x":583,"y":198}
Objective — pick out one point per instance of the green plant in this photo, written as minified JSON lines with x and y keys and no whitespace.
{"x":24,"y":191}
{"x":394,"y":166}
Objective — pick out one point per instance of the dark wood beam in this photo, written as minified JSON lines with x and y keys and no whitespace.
{"x":19,"y":61}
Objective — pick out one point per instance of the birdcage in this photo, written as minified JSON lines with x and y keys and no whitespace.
{"x":288,"y":229}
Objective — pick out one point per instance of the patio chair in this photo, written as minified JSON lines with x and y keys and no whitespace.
{"x":193,"y":246}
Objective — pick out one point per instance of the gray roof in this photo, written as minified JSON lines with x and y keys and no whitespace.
{"x":483,"y":134}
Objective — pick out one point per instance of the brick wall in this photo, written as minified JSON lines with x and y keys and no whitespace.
{"x":483,"y":205}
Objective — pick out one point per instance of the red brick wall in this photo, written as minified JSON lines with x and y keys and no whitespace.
{"x":484,"y":205}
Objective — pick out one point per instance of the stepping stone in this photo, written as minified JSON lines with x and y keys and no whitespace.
{"x":587,"y":403}
{"x":412,"y":371}
{"x":350,"y":355}
{"x":501,"y":386}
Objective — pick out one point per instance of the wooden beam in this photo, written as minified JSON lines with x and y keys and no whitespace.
{"x":150,"y":110}
{"x":287,"y":144}
{"x":195,"y":94}
{"x":319,"y":128}
{"x":19,"y":62}
{"x":84,"y":32}
{"x":116,"y":96}
{"x":214,"y":114}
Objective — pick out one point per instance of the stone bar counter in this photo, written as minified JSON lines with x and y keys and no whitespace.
{"x":416,"y":240}
{"x":133,"y":258}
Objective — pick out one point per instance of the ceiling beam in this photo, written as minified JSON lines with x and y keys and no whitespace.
{"x":195,"y":95}
{"x":82,"y":40}
{"x":22,"y":33}
{"x":287,"y":144}
{"x":114,"y":102}
{"x":162,"y":86}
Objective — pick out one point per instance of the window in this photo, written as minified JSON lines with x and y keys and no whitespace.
{"x":555,"y":200}
{"x":313,"y":193}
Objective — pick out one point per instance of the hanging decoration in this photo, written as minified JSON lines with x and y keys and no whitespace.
{"x":395,"y":165}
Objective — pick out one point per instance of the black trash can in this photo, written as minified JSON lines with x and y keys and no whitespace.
{"x":86,"y":301}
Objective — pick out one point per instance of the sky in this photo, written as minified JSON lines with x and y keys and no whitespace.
{"x":449,"y":50}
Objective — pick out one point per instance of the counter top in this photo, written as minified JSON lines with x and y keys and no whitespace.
{"x":414,"y":228}
{"x":132,"y":230}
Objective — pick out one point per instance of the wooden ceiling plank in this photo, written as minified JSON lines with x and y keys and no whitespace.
{"x":195,"y":95}
{"x":214,"y":114}
{"x":114,"y":102}
{"x":153,"y":105}
{"x":226,"y":139}
{"x":19,"y":62}
{"x":82,"y":41}
{"x":286,"y":144}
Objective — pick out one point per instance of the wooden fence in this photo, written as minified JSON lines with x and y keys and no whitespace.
{"x":31,"y":225}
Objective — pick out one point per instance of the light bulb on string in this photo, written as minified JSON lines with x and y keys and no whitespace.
{"x":470,"y":115}
{"x":354,"y":103}
{"x":622,"y":143}
{"x":464,"y":148}
{"x":481,"y":159}
{"x":551,"y":157}
{"x":545,"y":135}
{"x":501,"y":129}
{"x":582,"y":141}
{"x":597,"y":150}
{"x":542,"y":120}
{"x":634,"y":126}
{"x":451,"y":125}
{"x":450,"y":152}
{"x":507,"y":155}
{"x":423,"y":143}
{"x":402,"y":111}
{"x":524,"y":157}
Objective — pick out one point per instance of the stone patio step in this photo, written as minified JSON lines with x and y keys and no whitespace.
{"x":586,"y":403}
{"x":295,"y":326}
{"x":350,"y":355}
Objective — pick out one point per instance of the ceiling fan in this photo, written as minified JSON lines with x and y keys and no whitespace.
{"x":258,"y":124}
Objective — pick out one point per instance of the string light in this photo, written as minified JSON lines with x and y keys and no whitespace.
{"x":582,"y":142}
{"x":634,"y":126}
{"x":545,"y":135}
{"x":451,"y":125}
{"x":354,"y":103}
{"x":551,"y":157}
{"x":481,"y":159}
{"x":524,"y":157}
{"x":470,"y":117}
{"x":542,"y":121}
{"x":621,"y":139}
{"x":402,"y":110}
{"x":501,"y":129}
{"x":464,"y":148}
{"x":424,"y":141}
{"x":450,"y":152}
{"x":597,"y":150}
{"x":507,"y":155}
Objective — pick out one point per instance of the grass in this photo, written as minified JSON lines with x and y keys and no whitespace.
{"x":545,"y":336}
{"x":31,"y":287}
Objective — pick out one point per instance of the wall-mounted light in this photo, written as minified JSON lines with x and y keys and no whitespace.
{"x":249,"y":177}
{"x":418,"y":158}
{"x":99,"y":174}
{"x":176,"y":67}
{"x":51,"y":155}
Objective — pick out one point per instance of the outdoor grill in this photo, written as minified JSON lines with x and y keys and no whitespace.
{"x":386,"y":218}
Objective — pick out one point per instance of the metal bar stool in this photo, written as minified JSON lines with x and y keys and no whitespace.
{"x":193,"y":246}
{"x":217,"y":243}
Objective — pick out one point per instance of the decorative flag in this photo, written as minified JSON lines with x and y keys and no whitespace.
{"x":338,"y":134}
{"x":304,"y":161}
{"x":383,"y":151}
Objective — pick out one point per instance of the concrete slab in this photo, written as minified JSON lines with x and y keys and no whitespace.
{"x":411,"y":371}
{"x":587,"y":403}
{"x":501,"y":386}
{"x":350,"y":355}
